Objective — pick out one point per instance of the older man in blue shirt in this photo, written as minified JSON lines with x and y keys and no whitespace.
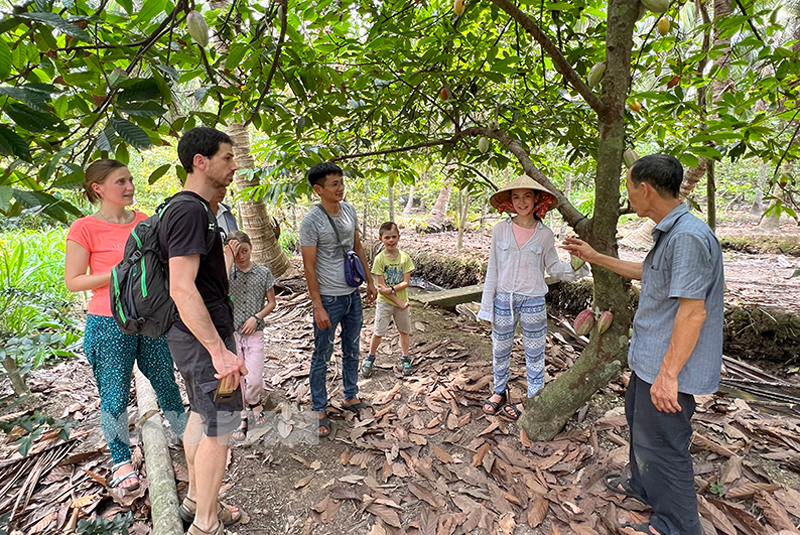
{"x":676,"y":349}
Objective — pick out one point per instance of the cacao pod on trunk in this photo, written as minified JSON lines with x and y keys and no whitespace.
{"x":605,"y":321}
{"x":584,"y":322}
{"x":629,"y":157}
{"x":596,"y":74}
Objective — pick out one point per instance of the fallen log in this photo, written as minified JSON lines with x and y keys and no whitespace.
{"x":160,"y":475}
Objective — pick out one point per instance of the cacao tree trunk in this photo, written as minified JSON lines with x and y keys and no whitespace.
{"x":256,"y":221}
{"x":463,"y":209}
{"x":546,"y":413}
{"x":758,"y":202}
{"x":711,"y":194}
{"x":772,"y":221}
{"x":437,"y":215}
{"x":390,"y":193}
{"x":410,"y":201}
{"x":567,"y":188}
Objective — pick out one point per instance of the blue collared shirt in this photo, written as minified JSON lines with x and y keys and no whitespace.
{"x":685,"y":261}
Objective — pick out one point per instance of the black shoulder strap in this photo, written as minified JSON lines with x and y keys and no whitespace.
{"x":330,"y":220}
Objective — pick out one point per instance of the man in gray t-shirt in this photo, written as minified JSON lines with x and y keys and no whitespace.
{"x":333,"y":299}
{"x":676,"y":349}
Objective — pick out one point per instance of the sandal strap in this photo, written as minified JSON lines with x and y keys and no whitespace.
{"x":116,"y":481}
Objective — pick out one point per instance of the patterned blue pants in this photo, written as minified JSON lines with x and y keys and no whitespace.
{"x":111,"y":353}
{"x":531,"y":314}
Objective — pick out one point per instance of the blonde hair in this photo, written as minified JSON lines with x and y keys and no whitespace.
{"x":97,"y":173}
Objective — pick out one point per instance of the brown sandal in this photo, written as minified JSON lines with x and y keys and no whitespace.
{"x":188,"y":509}
{"x":219,"y":530}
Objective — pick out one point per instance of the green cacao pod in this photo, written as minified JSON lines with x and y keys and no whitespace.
{"x":629,"y":157}
{"x":642,"y":11}
{"x":483,"y":144}
{"x":596,"y":74}
{"x":198,"y":28}
{"x":576,"y":262}
{"x":656,"y":6}
{"x":605,"y":321}
{"x":584,"y":322}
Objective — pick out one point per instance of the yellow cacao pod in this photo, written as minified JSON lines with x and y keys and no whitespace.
{"x":629,"y":156}
{"x":483,"y":144}
{"x":584,"y":322}
{"x":596,"y":74}
{"x":605,"y":321}
{"x":576,"y":262}
{"x":663,"y":26}
{"x":656,"y":6}
{"x":198,"y":28}
{"x":459,"y":7}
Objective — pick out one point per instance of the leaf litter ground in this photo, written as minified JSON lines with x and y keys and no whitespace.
{"x":429,"y":461}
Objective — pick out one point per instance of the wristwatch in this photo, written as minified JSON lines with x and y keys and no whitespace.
{"x":393,"y":290}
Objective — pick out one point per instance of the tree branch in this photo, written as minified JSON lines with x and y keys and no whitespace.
{"x":581,"y":223}
{"x":559,"y":61}
{"x":284,"y":5}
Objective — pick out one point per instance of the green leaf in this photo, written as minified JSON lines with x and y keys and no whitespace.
{"x":6,"y":194}
{"x":32,"y":120}
{"x":5,"y":59}
{"x":236,"y":55}
{"x":11,"y":144}
{"x":122,"y":153}
{"x":34,"y":99}
{"x":106,"y":139}
{"x":139,"y":89}
{"x":127,"y":5}
{"x":158,"y":173}
{"x":55,"y":21}
{"x":142,"y":109}
{"x":150,"y":10}
{"x":131,"y":133}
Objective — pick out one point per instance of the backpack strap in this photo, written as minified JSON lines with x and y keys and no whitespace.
{"x":213,"y":226}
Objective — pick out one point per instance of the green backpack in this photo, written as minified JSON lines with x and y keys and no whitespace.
{"x":140,"y":300}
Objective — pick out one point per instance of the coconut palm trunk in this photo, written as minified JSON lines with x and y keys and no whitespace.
{"x":256,"y":221}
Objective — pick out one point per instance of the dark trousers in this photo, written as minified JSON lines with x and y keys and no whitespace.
{"x":661,"y":465}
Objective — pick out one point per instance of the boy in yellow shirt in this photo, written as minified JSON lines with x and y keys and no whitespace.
{"x":392,"y":269}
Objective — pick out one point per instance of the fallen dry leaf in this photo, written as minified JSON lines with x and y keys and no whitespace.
{"x":774,"y":513}
{"x":428,"y":522}
{"x":303,"y":482}
{"x":327,"y":509}
{"x":537,"y":511}
{"x":717,"y":517}
{"x":440,"y":454}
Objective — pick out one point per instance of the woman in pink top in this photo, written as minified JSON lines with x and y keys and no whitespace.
{"x":522,"y":249}
{"x":96,"y":243}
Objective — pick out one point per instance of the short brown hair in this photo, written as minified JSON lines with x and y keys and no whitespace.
{"x":387,"y":227}
{"x":239,"y":236}
{"x":97,"y":173}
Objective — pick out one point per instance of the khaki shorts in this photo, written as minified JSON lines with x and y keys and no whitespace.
{"x":384,"y":312}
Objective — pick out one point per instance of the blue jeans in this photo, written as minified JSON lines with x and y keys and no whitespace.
{"x":344,"y":309}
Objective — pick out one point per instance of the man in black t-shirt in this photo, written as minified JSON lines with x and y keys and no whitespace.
{"x":201,"y":343}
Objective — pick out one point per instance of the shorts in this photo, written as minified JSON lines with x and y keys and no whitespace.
{"x":194,"y":362}
{"x":385,"y":311}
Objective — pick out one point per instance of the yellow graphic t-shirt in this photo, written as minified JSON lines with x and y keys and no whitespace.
{"x":393,"y":271}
